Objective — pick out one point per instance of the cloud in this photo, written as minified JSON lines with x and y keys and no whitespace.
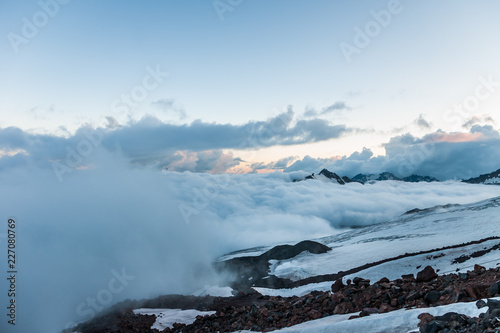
{"x":170,"y":105}
{"x":211,"y":161}
{"x":153,"y":141}
{"x":422,"y":123}
{"x":337,"y":106}
{"x":147,"y":138}
{"x":484,"y":119}
{"x":112,"y":122}
{"x":439,"y":154}
{"x":75,"y":235}
{"x":278,"y":165}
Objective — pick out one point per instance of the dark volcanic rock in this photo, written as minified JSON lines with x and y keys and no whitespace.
{"x":260,"y":313}
{"x":432,"y":296}
{"x":253,"y":271}
{"x":493,"y":290}
{"x":282,"y":252}
{"x":338,"y":285}
{"x":426,"y":274}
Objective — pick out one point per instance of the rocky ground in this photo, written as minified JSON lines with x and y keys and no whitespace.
{"x":453,"y":322}
{"x":252,"y":311}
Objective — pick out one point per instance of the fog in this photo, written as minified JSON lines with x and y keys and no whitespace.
{"x":115,"y":231}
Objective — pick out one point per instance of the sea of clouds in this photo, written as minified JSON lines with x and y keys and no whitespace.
{"x":116,"y":231}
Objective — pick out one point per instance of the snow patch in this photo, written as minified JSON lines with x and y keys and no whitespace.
{"x":167,"y":317}
{"x":214,"y":291}
{"x":396,"y":321}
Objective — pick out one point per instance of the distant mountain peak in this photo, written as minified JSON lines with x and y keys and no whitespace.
{"x":418,"y":178}
{"x":332,"y":176}
{"x":492,"y":178}
{"x":327,"y":175}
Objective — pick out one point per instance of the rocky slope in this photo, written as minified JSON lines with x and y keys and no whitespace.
{"x":359,"y":297}
{"x":492,"y":178}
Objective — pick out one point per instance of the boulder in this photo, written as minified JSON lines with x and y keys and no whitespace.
{"x":426,"y":275}
{"x":337,"y":285}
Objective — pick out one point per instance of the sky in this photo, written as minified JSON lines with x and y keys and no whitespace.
{"x":346,"y":76}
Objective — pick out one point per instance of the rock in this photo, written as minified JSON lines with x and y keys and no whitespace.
{"x":479,"y":269}
{"x":432,"y":296}
{"x":384,"y":308}
{"x":337,"y":285}
{"x":338,"y":297}
{"x":370,"y":310}
{"x":425,"y":318}
{"x":451,"y":316}
{"x":426,"y":275}
{"x":407,"y":277}
{"x":413,"y":296}
{"x":340,"y":309}
{"x":480,"y":304}
{"x":493,"y":314}
{"x":493,"y":304}
{"x":383,"y":280}
{"x":494,"y":288}
{"x":431,"y":327}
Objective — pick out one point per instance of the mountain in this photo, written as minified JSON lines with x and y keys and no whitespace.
{"x":387,"y":176}
{"x":422,"y":268}
{"x":393,"y":248}
{"x":367,"y":178}
{"x":418,"y":178}
{"x":326,"y":175}
{"x":488,"y":179}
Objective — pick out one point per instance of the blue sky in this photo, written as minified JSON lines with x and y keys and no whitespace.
{"x":260,"y":60}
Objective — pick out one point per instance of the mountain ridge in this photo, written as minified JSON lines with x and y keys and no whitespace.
{"x":492,"y":178}
{"x":327,"y":175}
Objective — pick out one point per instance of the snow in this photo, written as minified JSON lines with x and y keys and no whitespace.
{"x":325,"y":179}
{"x":495,"y":180}
{"x":214,"y":291}
{"x":410,"y":233}
{"x":167,"y":317}
{"x":299,"y":291}
{"x":439,"y":260}
{"x":396,"y":321}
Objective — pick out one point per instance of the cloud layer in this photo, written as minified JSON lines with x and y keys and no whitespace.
{"x":208,"y":147}
{"x":149,"y":140}
{"x":162,"y":229}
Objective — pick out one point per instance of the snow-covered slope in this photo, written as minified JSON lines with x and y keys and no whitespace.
{"x":443,"y":228}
